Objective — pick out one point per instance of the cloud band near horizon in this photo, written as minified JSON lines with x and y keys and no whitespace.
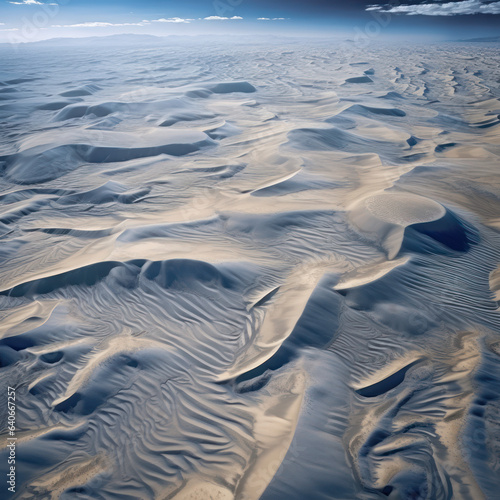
{"x":463,"y":7}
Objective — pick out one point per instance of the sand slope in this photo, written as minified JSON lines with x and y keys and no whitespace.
{"x":251,"y":271}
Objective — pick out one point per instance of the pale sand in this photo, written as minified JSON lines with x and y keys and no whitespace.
{"x":252,"y":270}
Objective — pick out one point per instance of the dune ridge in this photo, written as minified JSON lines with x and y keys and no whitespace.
{"x":251,"y":271}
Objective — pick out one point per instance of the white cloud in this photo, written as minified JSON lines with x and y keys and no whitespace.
{"x":28,"y":2}
{"x":95,"y":24}
{"x":219,"y":18}
{"x":10,"y":29}
{"x":144,"y":22}
{"x":464,"y":7}
{"x":263,"y":19}
{"x":170,"y":20}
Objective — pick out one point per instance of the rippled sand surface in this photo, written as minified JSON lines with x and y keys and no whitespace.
{"x":251,"y":271}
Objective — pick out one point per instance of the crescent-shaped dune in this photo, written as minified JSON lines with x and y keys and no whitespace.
{"x":250,"y":270}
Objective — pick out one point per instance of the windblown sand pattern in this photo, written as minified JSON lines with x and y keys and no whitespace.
{"x":252,"y":271}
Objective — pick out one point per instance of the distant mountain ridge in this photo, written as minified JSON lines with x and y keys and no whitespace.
{"x":109,"y":39}
{"x":144,"y":40}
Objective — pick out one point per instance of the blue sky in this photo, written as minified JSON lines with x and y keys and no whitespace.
{"x":40,"y":19}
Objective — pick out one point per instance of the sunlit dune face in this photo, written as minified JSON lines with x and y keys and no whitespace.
{"x":252,"y":270}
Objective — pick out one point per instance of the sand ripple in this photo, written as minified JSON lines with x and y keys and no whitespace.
{"x":252,"y":271}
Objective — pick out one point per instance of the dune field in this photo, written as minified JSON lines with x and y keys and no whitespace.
{"x":234,"y":270}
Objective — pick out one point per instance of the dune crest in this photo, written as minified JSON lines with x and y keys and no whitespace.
{"x":257,"y":270}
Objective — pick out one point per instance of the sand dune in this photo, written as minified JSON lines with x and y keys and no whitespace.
{"x":251,"y":271}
